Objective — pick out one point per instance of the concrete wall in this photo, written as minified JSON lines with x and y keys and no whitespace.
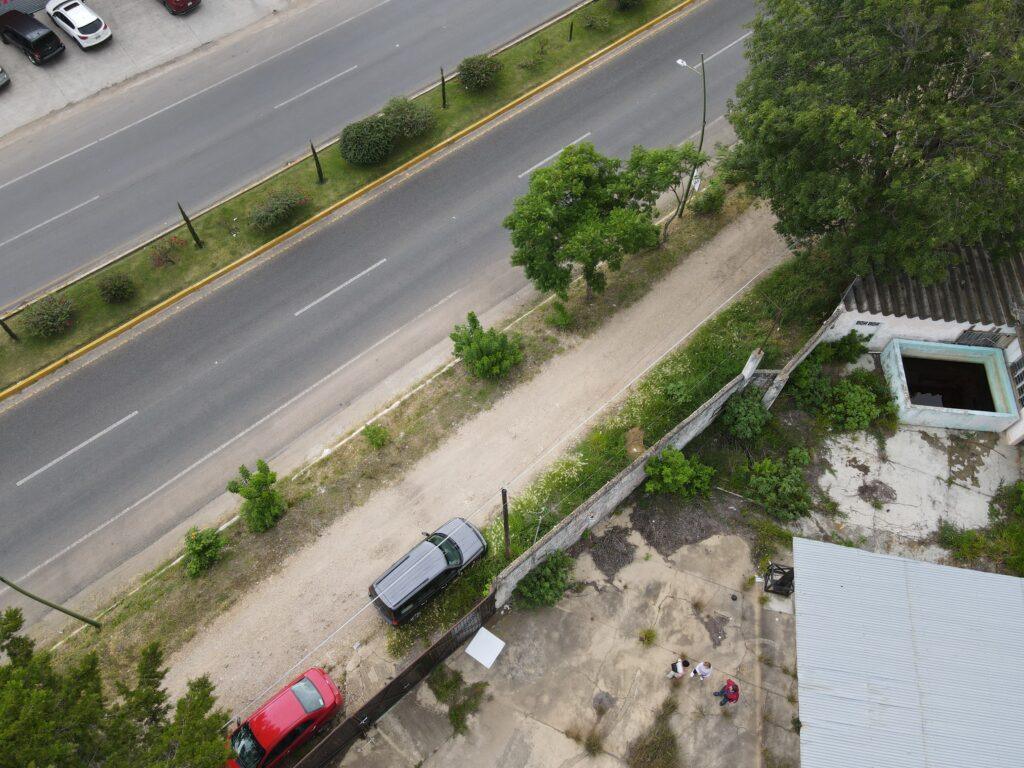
{"x":822,"y":334}
{"x":881,"y":329}
{"x":595,"y":509}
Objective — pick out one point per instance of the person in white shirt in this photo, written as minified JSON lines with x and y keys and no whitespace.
{"x":678,"y":668}
{"x":702,"y":670}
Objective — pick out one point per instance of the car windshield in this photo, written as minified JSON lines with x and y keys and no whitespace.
{"x":307,"y":694}
{"x":92,"y":26}
{"x":447,"y":546}
{"x":247,"y":750}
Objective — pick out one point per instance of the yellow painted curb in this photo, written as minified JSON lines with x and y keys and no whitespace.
{"x":362,"y":191}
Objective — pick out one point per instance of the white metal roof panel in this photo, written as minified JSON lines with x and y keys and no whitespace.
{"x":905,"y":663}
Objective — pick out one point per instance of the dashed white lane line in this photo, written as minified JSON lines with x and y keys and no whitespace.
{"x":553,"y":155}
{"x":78,"y":447}
{"x":330,"y":79}
{"x":347,"y":283}
{"x":50,"y":220}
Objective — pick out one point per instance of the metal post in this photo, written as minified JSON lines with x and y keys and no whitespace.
{"x":191,"y":229}
{"x":703,"y":125}
{"x":571,"y":22}
{"x":444,"y":92}
{"x":319,"y":168}
{"x":47,"y":603}
{"x":7,"y":328}
{"x":504,"y":520}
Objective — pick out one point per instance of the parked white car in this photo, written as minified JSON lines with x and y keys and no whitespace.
{"x":79,"y":21}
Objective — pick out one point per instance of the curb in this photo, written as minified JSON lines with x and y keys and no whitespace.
{"x":28,"y":381}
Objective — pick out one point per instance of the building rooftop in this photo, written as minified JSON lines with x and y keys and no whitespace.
{"x":906,"y":663}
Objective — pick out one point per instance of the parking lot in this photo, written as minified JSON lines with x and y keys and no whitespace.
{"x":145,"y":36}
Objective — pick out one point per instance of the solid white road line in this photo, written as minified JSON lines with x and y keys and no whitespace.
{"x":737,"y":41}
{"x":552,"y":156}
{"x":200,"y":92}
{"x":78,"y":447}
{"x":50,"y":220}
{"x":347,"y":283}
{"x":318,"y":85}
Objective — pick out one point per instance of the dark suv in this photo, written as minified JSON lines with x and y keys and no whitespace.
{"x":429,"y":567}
{"x":36,"y":40}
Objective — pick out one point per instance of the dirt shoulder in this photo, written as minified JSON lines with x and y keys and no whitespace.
{"x":303,"y":614}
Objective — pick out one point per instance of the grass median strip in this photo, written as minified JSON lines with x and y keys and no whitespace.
{"x":173,"y":607}
{"x":163,"y":269}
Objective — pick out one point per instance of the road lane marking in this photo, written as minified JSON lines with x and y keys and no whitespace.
{"x":50,"y":220}
{"x":551,"y":157}
{"x":737,"y":41}
{"x":347,"y":283}
{"x":200,"y":92}
{"x":318,"y":85}
{"x":78,"y":447}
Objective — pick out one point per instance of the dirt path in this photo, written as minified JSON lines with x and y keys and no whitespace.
{"x":279,"y":628}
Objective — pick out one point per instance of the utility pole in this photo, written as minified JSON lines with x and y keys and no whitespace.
{"x":48,"y":604}
{"x":191,"y":229}
{"x":444,"y":93}
{"x":703,"y":126}
{"x":504,"y":520}
{"x":319,"y":168}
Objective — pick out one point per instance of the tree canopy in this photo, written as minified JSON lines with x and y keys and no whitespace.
{"x":887,"y":132}
{"x":52,"y":718}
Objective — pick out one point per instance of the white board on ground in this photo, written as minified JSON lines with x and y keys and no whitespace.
{"x":485,"y":647}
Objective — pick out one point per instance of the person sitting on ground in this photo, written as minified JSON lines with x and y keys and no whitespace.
{"x":678,"y":668}
{"x":730,"y":693}
{"x":702,"y":670}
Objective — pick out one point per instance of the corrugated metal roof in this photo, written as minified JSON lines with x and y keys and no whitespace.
{"x":904,"y":663}
{"x":979,"y":289}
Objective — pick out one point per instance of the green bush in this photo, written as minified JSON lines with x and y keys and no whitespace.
{"x":367,"y":141}
{"x":49,"y":317}
{"x":488,"y":354}
{"x":780,"y":485}
{"x":559,"y":316}
{"x":202,"y":549}
{"x":809,"y":386}
{"x":595,"y":21}
{"x":545,"y":584}
{"x":376,"y":435}
{"x":848,"y":349}
{"x":711,"y":200}
{"x":408,"y":119}
{"x":263,"y":504}
{"x":445,"y":684}
{"x":745,"y":416}
{"x":277,"y":208}
{"x":851,"y":407}
{"x":116,"y":287}
{"x":628,"y":5}
{"x":674,"y":472}
{"x":965,"y":545}
{"x":478,"y":73}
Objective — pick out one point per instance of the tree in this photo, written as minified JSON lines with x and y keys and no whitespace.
{"x":263,"y":505}
{"x":649,"y":172}
{"x":488,"y":354}
{"x":885,"y":132}
{"x":51,"y":717}
{"x":578,"y":211}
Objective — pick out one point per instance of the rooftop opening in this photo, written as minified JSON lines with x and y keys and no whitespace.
{"x":948,"y":384}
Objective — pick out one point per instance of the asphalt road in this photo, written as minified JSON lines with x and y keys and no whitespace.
{"x":105,"y":174}
{"x":107,"y":459}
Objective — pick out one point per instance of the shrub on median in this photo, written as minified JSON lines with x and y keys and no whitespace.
{"x":408,"y":119}
{"x":277,"y":208}
{"x":488,"y":354}
{"x":263,"y":504}
{"x":367,"y":141}
{"x":203,"y":548}
{"x":478,"y":73}
{"x":376,"y":435}
{"x":116,"y":288}
{"x":165,"y":250}
{"x":50,"y":317}
{"x":711,"y":200}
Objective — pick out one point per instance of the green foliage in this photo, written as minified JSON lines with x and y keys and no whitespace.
{"x":628,"y":5}
{"x":675,"y":472}
{"x":885,"y":143}
{"x":578,"y":212}
{"x":545,"y":584}
{"x":62,"y":717}
{"x":851,"y":407}
{"x":50,"y":317}
{"x":277,"y":208}
{"x":657,"y":747}
{"x":449,"y":687}
{"x":445,"y":683}
{"x":367,"y":141}
{"x":488,"y":354}
{"x":809,"y":386}
{"x":263,"y":504}
{"x":478,"y":73}
{"x":203,"y":548}
{"x":467,"y":704}
{"x":648,"y":636}
{"x":848,"y":349}
{"x":650,"y":172}
{"x":559,"y":316}
{"x":1001,"y":542}
{"x":711,"y":199}
{"x":594,"y":20}
{"x":376,"y":435}
{"x":745,"y":416}
{"x":116,"y":287}
{"x":408,"y":119}
{"x":780,"y":485}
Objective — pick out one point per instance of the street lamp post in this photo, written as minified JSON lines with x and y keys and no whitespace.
{"x":48,"y":604}
{"x":703,"y":126}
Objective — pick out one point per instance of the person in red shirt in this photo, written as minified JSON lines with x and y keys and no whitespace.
{"x":730,"y":693}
